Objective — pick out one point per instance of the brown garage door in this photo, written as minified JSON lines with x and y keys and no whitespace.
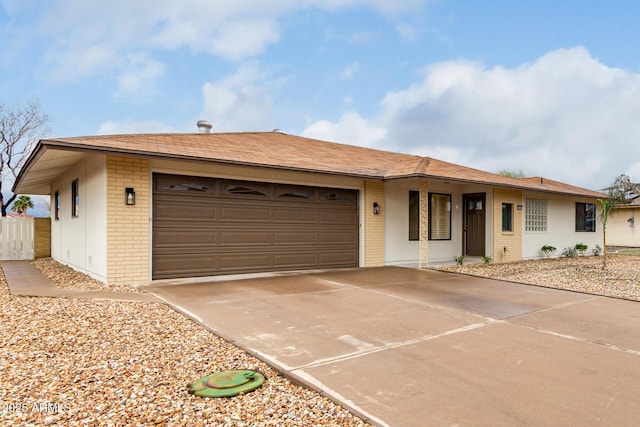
{"x":211,"y":226}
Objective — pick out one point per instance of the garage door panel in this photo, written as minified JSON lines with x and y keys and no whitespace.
{"x":306,"y":215}
{"x":179,"y":237}
{"x":337,"y":216}
{"x":244,"y":261}
{"x":244,"y":237}
{"x":344,"y":237}
{"x":175,"y":212}
{"x":293,"y":261}
{"x":186,"y":185}
{"x":244,"y":214}
{"x":337,"y":258}
{"x":182,"y":265}
{"x":210,"y":226}
{"x":293,"y":237}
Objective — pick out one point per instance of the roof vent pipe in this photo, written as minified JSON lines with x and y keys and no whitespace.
{"x":204,"y":126}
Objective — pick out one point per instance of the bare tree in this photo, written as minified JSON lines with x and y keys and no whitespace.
{"x":622,"y":191}
{"x":20,"y":129}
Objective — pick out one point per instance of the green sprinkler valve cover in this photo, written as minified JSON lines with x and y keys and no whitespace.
{"x":226,"y":383}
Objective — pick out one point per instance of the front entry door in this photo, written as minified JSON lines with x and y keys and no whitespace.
{"x":474,"y":224}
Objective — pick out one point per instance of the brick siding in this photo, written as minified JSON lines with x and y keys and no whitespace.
{"x":512,"y":240}
{"x":127,"y":226}
{"x":373,"y":224}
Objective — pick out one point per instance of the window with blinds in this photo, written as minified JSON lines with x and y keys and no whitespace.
{"x":535,"y":215}
{"x":439,"y":216}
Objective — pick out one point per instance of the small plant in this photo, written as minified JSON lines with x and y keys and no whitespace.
{"x":486,"y":259}
{"x":548,"y":250}
{"x":459,"y":259}
{"x":581,"y":248}
{"x":569,"y":252}
{"x":596,"y":251}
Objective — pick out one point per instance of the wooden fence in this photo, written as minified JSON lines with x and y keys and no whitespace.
{"x":16,"y":238}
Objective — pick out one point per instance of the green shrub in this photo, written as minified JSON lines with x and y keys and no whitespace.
{"x":486,"y":259}
{"x":459,"y":259}
{"x":581,"y":248}
{"x":548,"y":250}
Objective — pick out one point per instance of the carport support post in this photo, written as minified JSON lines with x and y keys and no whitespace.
{"x":424,"y":225}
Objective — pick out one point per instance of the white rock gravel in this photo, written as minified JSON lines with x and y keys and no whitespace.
{"x":69,"y":362}
{"x":68,"y":278}
{"x":620,"y":279}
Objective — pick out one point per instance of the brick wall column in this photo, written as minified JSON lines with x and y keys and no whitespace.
{"x":373,"y":224}
{"x":128,"y":240}
{"x":512,"y":240}
{"x":424,"y":224}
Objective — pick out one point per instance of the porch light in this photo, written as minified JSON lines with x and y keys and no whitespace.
{"x":376,"y":208}
{"x":130,"y":198}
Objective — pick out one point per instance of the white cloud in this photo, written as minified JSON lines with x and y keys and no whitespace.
{"x":74,"y":31}
{"x":349,"y":71}
{"x":246,"y":38}
{"x":565,"y":116}
{"x":79,"y":60}
{"x":130,"y":126}
{"x":407,"y":31}
{"x":140,"y":77}
{"x":240,"y":102}
{"x":350,"y":129}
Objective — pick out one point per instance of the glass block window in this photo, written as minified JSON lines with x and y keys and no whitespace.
{"x":535,"y":215}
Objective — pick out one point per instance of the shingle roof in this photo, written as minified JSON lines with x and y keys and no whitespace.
{"x":283,"y":151}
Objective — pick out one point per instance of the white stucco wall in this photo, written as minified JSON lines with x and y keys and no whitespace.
{"x":561,"y":227}
{"x":443,"y":251}
{"x":80,"y":242}
{"x":399,"y":250}
{"x":620,"y":232}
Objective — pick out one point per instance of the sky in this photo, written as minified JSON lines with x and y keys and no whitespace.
{"x":551,"y":88}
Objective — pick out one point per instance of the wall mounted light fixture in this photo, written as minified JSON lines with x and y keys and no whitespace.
{"x":130,"y":196}
{"x":376,"y":208}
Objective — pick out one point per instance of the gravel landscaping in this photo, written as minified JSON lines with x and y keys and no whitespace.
{"x":74,"y":362}
{"x":68,"y":278}
{"x":621,"y":278}
{"x":69,"y":362}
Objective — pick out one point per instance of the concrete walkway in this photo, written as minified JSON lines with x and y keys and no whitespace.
{"x":24,"y":279}
{"x":405,"y":347}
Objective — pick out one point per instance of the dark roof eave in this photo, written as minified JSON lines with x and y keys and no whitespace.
{"x":492,"y":184}
{"x":35,"y":154}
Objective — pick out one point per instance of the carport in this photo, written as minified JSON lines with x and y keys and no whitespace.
{"x":407,"y":347}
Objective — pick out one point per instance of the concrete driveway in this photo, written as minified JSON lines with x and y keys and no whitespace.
{"x":405,"y":347}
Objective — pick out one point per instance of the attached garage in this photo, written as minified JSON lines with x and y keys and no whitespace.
{"x":211,"y":226}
